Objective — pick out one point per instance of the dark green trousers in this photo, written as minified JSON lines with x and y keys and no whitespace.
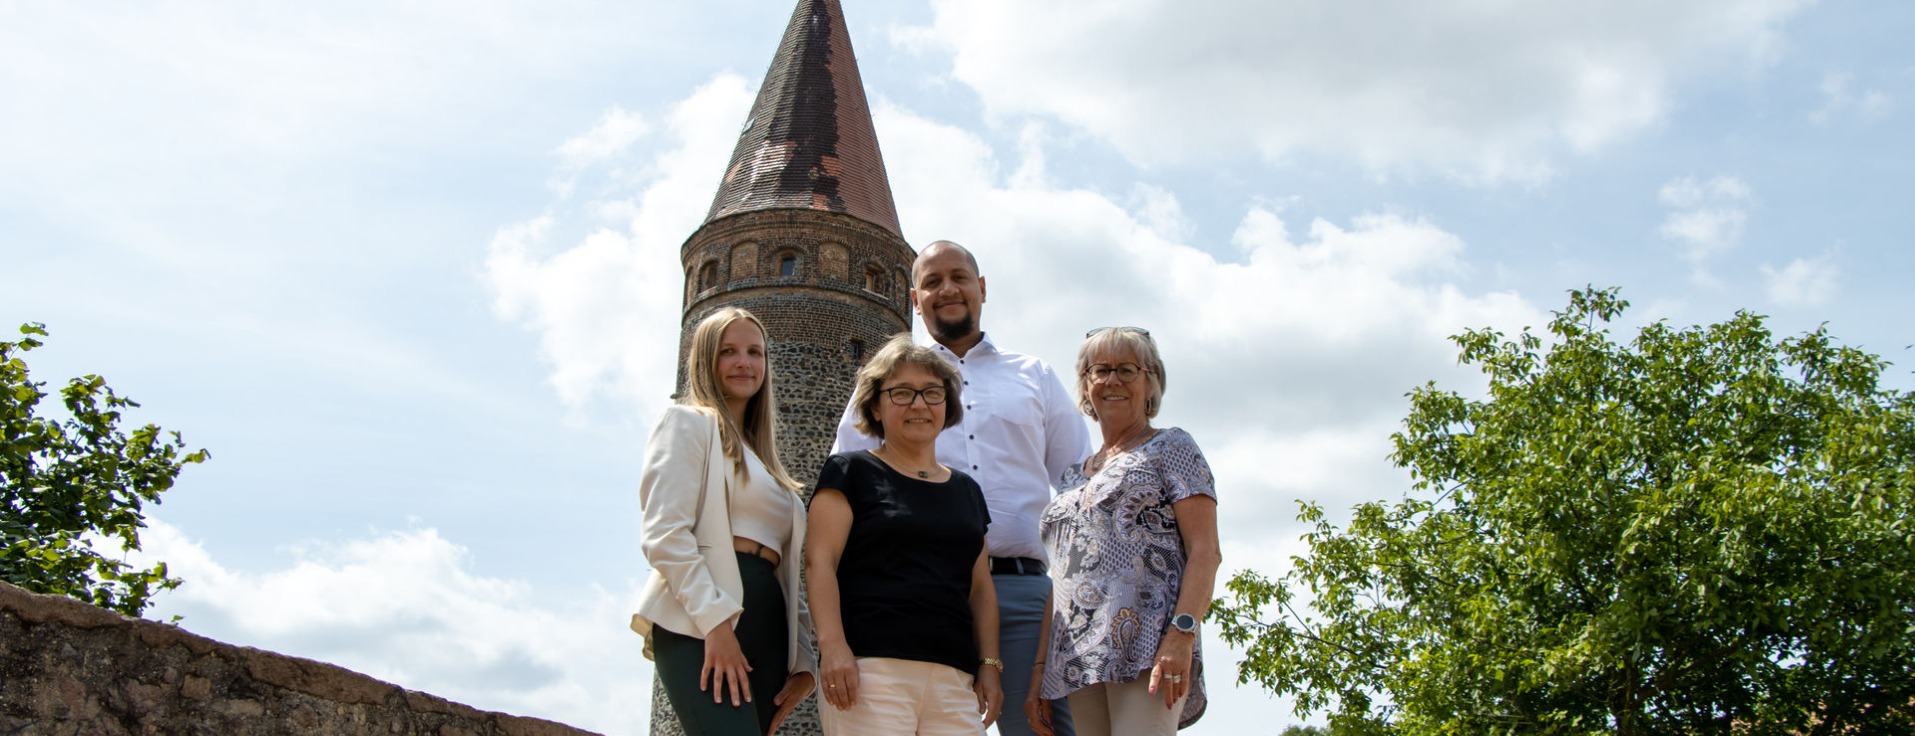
{"x":762,"y":634}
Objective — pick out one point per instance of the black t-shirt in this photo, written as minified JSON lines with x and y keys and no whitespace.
{"x":904,"y":579}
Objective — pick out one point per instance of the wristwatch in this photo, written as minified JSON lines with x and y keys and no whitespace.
{"x":1184,"y":622}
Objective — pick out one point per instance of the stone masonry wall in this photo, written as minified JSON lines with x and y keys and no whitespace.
{"x":70,"y":668}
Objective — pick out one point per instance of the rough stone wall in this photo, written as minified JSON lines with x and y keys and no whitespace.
{"x":70,"y":668}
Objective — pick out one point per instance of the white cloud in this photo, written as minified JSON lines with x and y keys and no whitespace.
{"x":614,"y":135}
{"x":1330,"y":325}
{"x":616,"y":131}
{"x":1706,"y":218}
{"x":1802,"y":283}
{"x":406,"y":608}
{"x":1486,"y":91}
{"x":1841,"y":100}
{"x":601,"y":282}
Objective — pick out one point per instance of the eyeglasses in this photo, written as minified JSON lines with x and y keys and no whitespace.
{"x":904,"y":395}
{"x":1126,"y":372}
{"x":1121,"y":328}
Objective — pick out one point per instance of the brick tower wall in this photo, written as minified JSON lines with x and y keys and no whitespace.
{"x":846,"y":295}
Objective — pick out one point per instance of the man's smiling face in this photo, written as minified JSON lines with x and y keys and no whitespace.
{"x":948,"y":292}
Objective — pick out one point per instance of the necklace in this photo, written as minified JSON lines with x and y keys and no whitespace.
{"x":886,"y":449}
{"x":1124,"y":444}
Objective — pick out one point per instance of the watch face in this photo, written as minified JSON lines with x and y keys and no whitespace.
{"x":1184,"y":622}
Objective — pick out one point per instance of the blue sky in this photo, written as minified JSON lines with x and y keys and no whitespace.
{"x":409,"y":269}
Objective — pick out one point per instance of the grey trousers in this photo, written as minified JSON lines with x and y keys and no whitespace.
{"x":1020,"y":618}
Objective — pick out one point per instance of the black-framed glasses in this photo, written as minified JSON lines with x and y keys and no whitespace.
{"x":1120,"y":328}
{"x":1125,"y":372}
{"x":904,"y":395}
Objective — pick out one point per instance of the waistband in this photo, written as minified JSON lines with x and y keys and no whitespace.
{"x":1016,"y":566}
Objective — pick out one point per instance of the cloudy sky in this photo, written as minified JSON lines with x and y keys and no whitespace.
{"x":408,"y":269}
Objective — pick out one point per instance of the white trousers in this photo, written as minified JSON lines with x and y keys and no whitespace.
{"x":1124,"y":709}
{"x":898,"y":697}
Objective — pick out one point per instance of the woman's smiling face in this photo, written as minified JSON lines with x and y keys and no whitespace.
{"x":1114,"y":399}
{"x":741,"y":360}
{"x":918,"y":421}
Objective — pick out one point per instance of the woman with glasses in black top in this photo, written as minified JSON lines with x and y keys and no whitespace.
{"x":900,"y":581}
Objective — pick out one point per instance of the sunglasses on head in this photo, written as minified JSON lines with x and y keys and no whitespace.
{"x":1121,"y":328}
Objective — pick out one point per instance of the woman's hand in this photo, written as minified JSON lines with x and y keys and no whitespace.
{"x":989,"y":686}
{"x":1171,"y":674}
{"x":796,"y":688}
{"x":1197,"y":525}
{"x":725,"y":664}
{"x":839,"y":670}
{"x":1037,"y":711}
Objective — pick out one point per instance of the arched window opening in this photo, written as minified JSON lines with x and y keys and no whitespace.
{"x":708,"y":275}
{"x":788,"y":264}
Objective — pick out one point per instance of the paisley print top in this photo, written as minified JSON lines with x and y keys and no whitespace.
{"x":1117,"y":562}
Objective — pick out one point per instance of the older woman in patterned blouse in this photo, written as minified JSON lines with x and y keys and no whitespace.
{"x":1134,"y":556}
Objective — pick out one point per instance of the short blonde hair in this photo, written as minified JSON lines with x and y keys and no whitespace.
{"x":1118,"y":341}
{"x":898,"y":352}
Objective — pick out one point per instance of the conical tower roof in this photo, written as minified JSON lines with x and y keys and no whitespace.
{"x":809,"y":142}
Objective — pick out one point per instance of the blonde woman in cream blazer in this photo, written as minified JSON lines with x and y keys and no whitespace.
{"x":723,"y":530}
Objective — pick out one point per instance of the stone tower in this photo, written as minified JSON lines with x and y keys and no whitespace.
{"x":804,"y":234}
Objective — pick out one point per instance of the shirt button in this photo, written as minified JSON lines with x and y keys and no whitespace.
{"x":972,"y":437}
{"x":974,"y":467}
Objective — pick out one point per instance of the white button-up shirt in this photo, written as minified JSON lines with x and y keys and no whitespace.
{"x":1021,"y":431}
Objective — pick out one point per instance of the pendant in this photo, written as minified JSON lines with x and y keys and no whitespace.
{"x":924,"y":474}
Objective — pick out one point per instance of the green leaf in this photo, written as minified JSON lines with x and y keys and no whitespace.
{"x":1701,"y":529}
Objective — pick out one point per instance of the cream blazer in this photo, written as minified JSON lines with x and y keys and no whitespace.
{"x":695,"y":585}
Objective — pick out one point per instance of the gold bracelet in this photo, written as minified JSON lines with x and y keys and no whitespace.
{"x":992,"y":662}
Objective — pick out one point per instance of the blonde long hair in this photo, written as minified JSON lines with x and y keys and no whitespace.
{"x":756,"y":426}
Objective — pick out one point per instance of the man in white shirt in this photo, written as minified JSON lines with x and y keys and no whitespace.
{"x":1021,"y":430}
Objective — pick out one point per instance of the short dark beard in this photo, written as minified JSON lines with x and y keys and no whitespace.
{"x":944,"y":331}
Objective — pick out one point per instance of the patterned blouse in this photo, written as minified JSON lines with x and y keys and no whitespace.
{"x":1117,"y":564}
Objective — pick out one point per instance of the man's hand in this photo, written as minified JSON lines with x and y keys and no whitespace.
{"x":1037,"y":711}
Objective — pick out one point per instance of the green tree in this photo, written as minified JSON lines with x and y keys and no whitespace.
{"x":1705,"y":530}
{"x":66,"y":484}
